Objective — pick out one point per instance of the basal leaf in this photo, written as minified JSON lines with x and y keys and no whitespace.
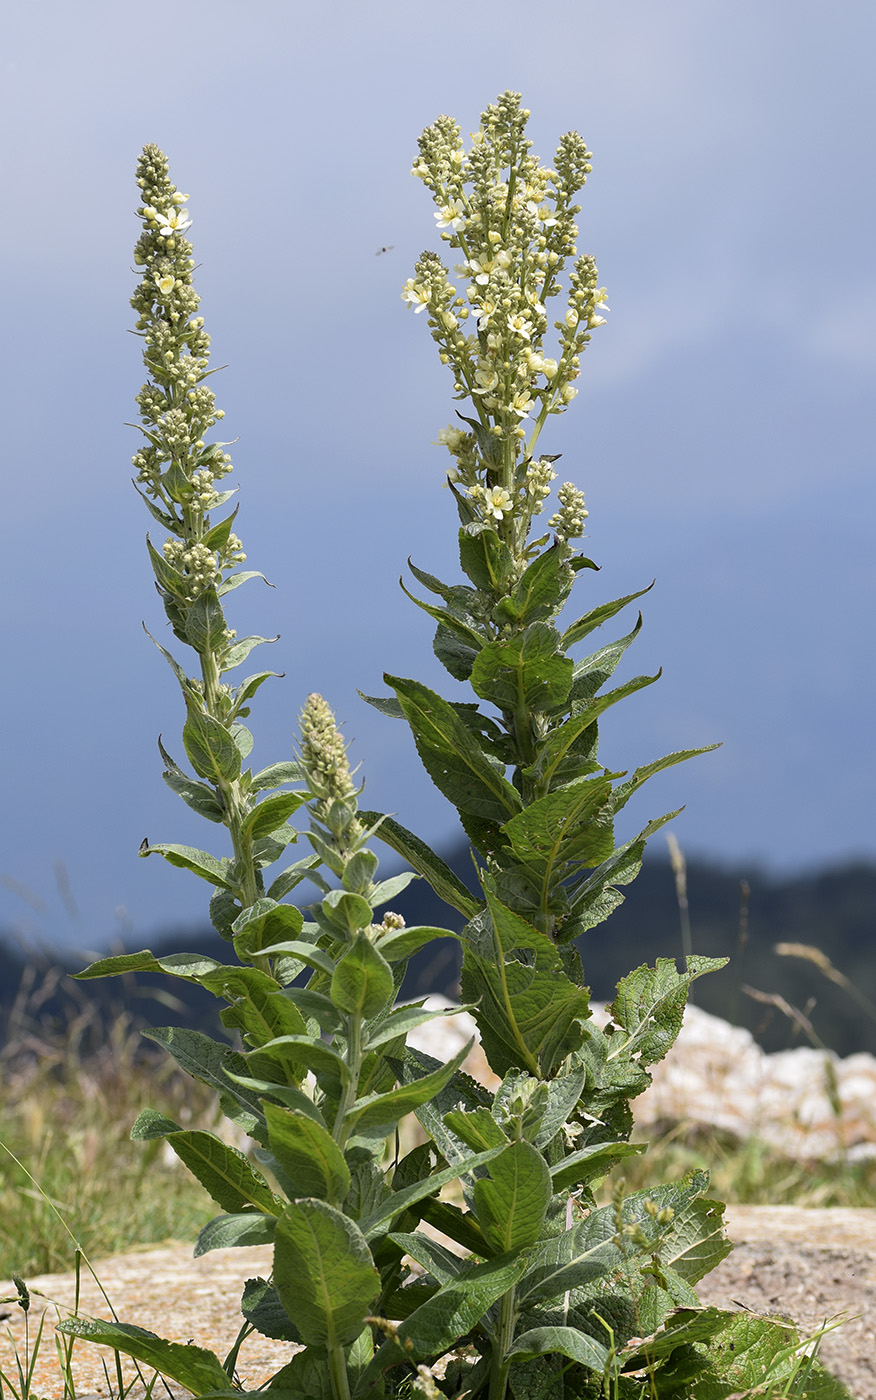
{"x":323,"y":1273}
{"x":198,"y":1370}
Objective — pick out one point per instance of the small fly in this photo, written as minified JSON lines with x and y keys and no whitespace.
{"x":388,"y":249}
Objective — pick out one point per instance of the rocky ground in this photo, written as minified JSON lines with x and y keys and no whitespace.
{"x":809,"y":1265}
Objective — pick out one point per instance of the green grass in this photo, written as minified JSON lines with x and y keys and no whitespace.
{"x":69,"y":1097}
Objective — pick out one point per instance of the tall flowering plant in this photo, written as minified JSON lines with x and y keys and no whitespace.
{"x":522,"y":1284}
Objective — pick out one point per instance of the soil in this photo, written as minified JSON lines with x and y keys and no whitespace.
{"x":809,"y":1265}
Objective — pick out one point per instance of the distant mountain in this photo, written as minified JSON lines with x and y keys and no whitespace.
{"x":831,"y":910}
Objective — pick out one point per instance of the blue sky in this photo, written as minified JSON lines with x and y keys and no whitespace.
{"x":723,"y":433}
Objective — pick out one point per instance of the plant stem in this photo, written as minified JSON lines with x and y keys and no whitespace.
{"x":502,"y":1345}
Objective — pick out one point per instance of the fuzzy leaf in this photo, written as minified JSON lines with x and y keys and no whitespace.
{"x":595,"y":618}
{"x":262,"y":1308}
{"x":207,"y":1060}
{"x":570,"y":826}
{"x":270,"y":814}
{"x":649,"y":1006}
{"x":485,"y":559}
{"x":567,"y":1261}
{"x":624,"y":791}
{"x":205,"y":623}
{"x":195,"y":1368}
{"x":362,"y":982}
{"x":512,"y":1201}
{"x":593,"y":671}
{"x":452,"y":756}
{"x":215,"y":871}
{"x":568,"y":1341}
{"x":418,"y":1191}
{"x":323,"y":1273}
{"x":526,"y":672}
{"x":310,"y":1160}
{"x":223,"y":1171}
{"x":211,"y":750}
{"x":425,"y":862}
{"x":236,"y":1231}
{"x":383,"y":1111}
{"x":542,"y":590}
{"x":237,"y":652}
{"x":528,"y":1007}
{"x":201,"y":798}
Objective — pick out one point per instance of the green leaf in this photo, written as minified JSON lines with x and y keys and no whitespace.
{"x":216,"y":537}
{"x":236,"y":1231}
{"x":403,"y":942}
{"x":170,"y":580}
{"x":198,"y":796}
{"x":235,"y":580}
{"x":450,"y":1313}
{"x":762,"y":1356}
{"x":418,"y":1191}
{"x":565,"y":740}
{"x":295,"y":1051}
{"x":593,"y":899}
{"x":485,"y":559}
{"x":440,"y":1262}
{"x":206,"y":1060}
{"x":247,"y":689}
{"x":191,"y":966}
{"x":324,"y":1273}
{"x":595,"y":618}
{"x":385,"y":704}
{"x":524,"y":672}
{"x":528,"y":1007}
{"x":512,"y":1201}
{"x":570,"y":826}
{"x":211,"y":750}
{"x":198,"y":1370}
{"x":624,"y":791}
{"x":425,"y":862}
{"x":310,"y":1160}
{"x":236,"y":652}
{"x":205,"y":623}
{"x":272,"y":813}
{"x":402,"y":1021}
{"x":382,"y":1111}
{"x":581,"y":1166}
{"x":184,"y":682}
{"x":170,"y":522}
{"x":292,"y":876}
{"x":478,"y":1128}
{"x":362,"y":981}
{"x":446,"y":617}
{"x":263,"y":1310}
{"x":568,"y":1261}
{"x":259,"y":1009}
{"x":649,"y":1006}
{"x":542,"y":590}
{"x":223,"y":1171}
{"x":568,"y":1341}
{"x":452,"y":756}
{"x":215,"y":870}
{"x":591,"y":672}
{"x":277,"y":774}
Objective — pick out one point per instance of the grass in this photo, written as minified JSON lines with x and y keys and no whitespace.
{"x":70,"y":1094}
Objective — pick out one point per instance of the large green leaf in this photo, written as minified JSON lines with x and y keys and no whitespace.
{"x":309,"y":1159}
{"x":624,"y":791}
{"x":525,"y":672}
{"x":649,"y":1006}
{"x":270,"y":814}
{"x":323,"y":1273}
{"x":511,"y":1202}
{"x":211,"y":750}
{"x":419,"y":1191}
{"x":452,"y":755}
{"x":215,"y":871}
{"x":579,"y":1255}
{"x":762,"y":1356}
{"x":587,"y":1162}
{"x":596,"y":616}
{"x":207,"y":1060}
{"x":450,"y":1313}
{"x":486,"y":559}
{"x":236,"y":1231}
{"x":528,"y":1007}
{"x":381,"y":1112}
{"x":362,"y":982}
{"x":223,"y":1171}
{"x":195,"y":1368}
{"x":554,"y":753}
{"x":425,"y":862}
{"x":570,"y":826}
{"x":568,"y":1341}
